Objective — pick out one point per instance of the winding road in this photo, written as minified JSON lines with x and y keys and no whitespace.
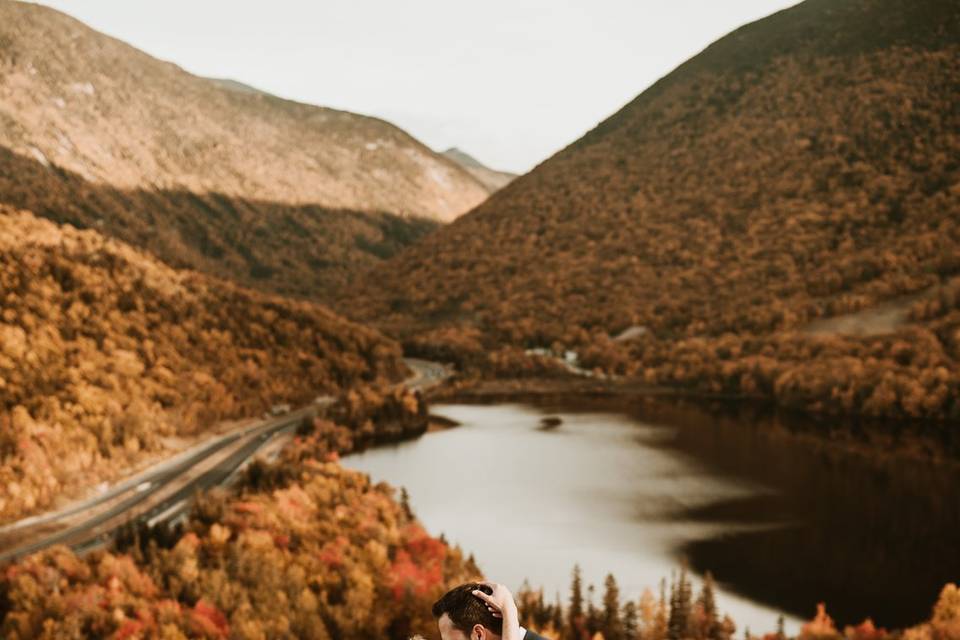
{"x":164,"y":492}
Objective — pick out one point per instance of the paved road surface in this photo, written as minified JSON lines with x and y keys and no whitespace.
{"x":164,"y":492}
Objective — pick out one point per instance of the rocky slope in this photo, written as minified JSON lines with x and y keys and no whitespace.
{"x":112,"y":114}
{"x":207,"y":174}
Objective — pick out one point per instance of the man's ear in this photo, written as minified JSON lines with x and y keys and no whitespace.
{"x":478,"y":629}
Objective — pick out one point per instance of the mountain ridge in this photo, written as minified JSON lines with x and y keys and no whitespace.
{"x":799,"y":168}
{"x":492,"y":179}
{"x":102,"y":108}
{"x":207,"y":174}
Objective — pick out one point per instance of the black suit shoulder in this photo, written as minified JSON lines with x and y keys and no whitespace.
{"x":530,"y":635}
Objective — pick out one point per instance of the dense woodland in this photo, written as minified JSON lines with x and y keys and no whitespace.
{"x":108,"y":357}
{"x":306,"y":549}
{"x":362,"y":417}
{"x":681,"y":614}
{"x":327,"y":556}
{"x":304,"y":251}
{"x":302,"y":549}
{"x":802,"y":168}
{"x":913,"y":372}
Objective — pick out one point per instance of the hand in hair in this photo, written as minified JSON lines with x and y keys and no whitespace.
{"x":501,"y":604}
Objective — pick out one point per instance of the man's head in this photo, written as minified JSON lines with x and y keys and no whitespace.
{"x":463,"y":616}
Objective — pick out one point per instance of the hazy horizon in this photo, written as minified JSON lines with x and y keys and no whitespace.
{"x":509,"y":84}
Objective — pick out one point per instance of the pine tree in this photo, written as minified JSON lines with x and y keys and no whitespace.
{"x":405,"y":504}
{"x":527,"y":605}
{"x":672,"y":632}
{"x":631,"y":621}
{"x":678,"y":626}
{"x":541,"y":615}
{"x":557,"y":614}
{"x":611,"y":625}
{"x":707,"y":601}
{"x":575,"y":612}
{"x":781,"y":634}
{"x":661,"y":618}
{"x":593,"y":613}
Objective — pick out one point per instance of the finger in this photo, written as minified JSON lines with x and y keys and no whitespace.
{"x":484,"y":597}
{"x":494,"y":611}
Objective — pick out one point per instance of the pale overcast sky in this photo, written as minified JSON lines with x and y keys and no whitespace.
{"x":508,"y":81}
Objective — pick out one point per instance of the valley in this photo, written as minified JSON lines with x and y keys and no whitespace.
{"x":273,"y":369}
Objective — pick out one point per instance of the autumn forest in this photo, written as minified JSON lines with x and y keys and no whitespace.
{"x":188,"y":262}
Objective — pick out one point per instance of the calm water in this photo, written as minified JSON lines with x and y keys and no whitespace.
{"x":783,"y":515}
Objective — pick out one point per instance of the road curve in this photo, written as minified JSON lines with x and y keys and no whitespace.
{"x":426,"y":374}
{"x":165,"y":491}
{"x":83,"y":525}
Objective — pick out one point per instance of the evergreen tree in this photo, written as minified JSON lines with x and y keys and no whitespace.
{"x":405,"y":504}
{"x":631,"y":621}
{"x":575,"y":619}
{"x":671,"y":622}
{"x":678,"y":626}
{"x":611,"y":625}
{"x":556,"y":615}
{"x":541,"y":612}
{"x":593,"y":613}
{"x":781,"y":634}
{"x":662,"y":614}
{"x":707,"y":601}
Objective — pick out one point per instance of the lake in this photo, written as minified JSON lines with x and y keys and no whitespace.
{"x":784,"y":512}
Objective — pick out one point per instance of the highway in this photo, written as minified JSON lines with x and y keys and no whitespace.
{"x":426,"y":374}
{"x":165,"y":491}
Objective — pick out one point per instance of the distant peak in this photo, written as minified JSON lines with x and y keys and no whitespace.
{"x":492,"y":179}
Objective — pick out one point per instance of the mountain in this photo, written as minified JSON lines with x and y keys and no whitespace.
{"x":234,"y":85}
{"x":207,"y":174}
{"x":492,"y":179}
{"x":108,"y":357}
{"x":803,"y":167}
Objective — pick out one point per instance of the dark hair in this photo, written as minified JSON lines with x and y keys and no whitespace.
{"x":466,"y":609}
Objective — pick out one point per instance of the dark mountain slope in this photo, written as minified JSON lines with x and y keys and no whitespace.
{"x":297,"y":250}
{"x":804,"y":166}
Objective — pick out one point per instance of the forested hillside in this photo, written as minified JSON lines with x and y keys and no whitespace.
{"x":296,"y":250}
{"x":328,"y":556}
{"x":802,"y":167}
{"x":307,"y":549}
{"x":107,"y":356}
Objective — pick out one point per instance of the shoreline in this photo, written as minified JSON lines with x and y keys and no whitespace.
{"x":880,"y":438}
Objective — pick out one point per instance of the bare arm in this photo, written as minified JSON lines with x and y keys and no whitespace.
{"x":501,"y":603}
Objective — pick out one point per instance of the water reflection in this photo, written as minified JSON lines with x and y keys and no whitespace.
{"x":877,"y":512}
{"x":782,"y":516}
